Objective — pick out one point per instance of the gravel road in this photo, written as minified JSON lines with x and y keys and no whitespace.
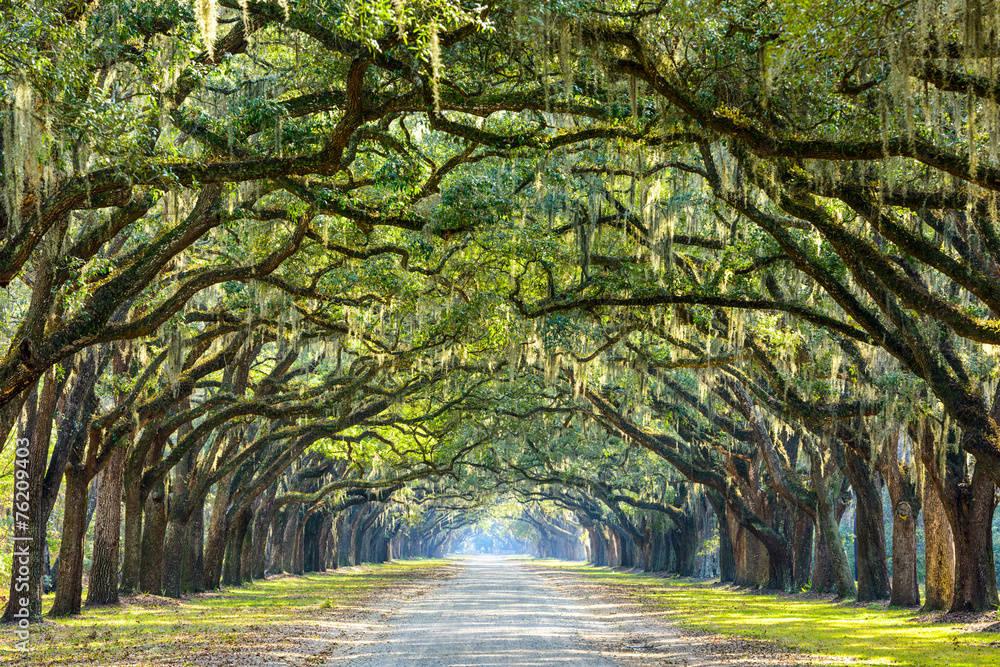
{"x":496,"y":612}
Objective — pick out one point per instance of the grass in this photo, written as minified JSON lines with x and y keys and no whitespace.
{"x":249,"y":625}
{"x":862,"y":635}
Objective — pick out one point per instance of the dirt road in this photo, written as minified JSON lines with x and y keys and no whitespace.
{"x":496,"y":612}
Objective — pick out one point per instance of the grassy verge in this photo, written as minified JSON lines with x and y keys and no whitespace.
{"x":288,"y":618}
{"x":857,"y":634}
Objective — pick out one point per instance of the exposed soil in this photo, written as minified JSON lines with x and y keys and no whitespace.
{"x":149,"y":630}
{"x":482,"y":611}
{"x":662,"y":637}
{"x":499,"y":612}
{"x":505,"y":613}
{"x":320,"y":634}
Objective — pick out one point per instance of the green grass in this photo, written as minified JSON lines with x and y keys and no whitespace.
{"x":240,"y":626}
{"x":863,"y":635}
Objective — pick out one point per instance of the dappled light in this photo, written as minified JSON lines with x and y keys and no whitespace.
{"x":524,"y":624}
{"x":507,"y":333}
{"x":496,"y":613}
{"x":859,"y":634}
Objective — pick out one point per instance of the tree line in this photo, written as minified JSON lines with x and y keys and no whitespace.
{"x":290,"y":285}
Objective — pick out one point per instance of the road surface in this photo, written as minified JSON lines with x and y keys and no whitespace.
{"x":495,"y":612}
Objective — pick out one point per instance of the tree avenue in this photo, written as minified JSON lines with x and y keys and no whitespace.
{"x":703,"y":288}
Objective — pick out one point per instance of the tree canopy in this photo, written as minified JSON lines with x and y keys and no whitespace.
{"x":310,"y":281}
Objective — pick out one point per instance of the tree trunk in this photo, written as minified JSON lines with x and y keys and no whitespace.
{"x":217,"y":532}
{"x":153,"y":535}
{"x":646,"y":552}
{"x":975,"y":571}
{"x":901,"y":483}
{"x":288,"y":540}
{"x":29,"y":557}
{"x":311,"y":547}
{"x":802,"y":549}
{"x":905,"y":588}
{"x":246,"y":553}
{"x":822,"y":580}
{"x":324,"y":542}
{"x":9,"y":413}
{"x":193,"y":568}
{"x":137,"y":506}
{"x":173,"y":557}
{"x":595,"y":548}
{"x":753,"y":561}
{"x":685,"y":545}
{"x":832,"y":555}
{"x":233,"y":568}
{"x":738,"y":537}
{"x":334,"y":561}
{"x":629,"y":559}
{"x":298,"y":555}
{"x":69,"y":586}
{"x":261,"y":530}
{"x":29,"y":533}
{"x":939,"y":552}
{"x":727,"y":564}
{"x":969,"y":506}
{"x":278,"y":525}
{"x":352,"y":543}
{"x":179,"y":515}
{"x":132,"y":533}
{"x":234,"y":550}
{"x":872,"y":559}
{"x":80,"y":405}
{"x":103,"y":587}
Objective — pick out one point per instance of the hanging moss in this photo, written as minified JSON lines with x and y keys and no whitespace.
{"x":207,"y":18}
